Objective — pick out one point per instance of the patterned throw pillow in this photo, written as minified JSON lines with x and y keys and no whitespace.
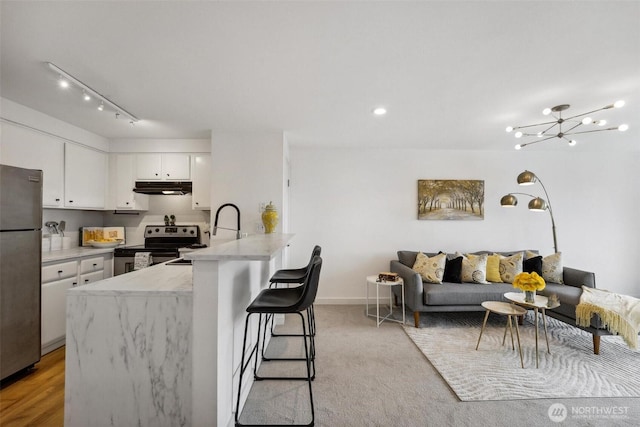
{"x":552,"y":268}
{"x":510,"y":267}
{"x":474,"y":268}
{"x":430,"y":269}
{"x":493,"y":268}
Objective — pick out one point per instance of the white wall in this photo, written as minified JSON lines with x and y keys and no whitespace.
{"x":360,"y":206}
{"x":247,"y":170}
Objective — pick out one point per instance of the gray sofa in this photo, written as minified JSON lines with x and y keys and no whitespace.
{"x":423,"y":297}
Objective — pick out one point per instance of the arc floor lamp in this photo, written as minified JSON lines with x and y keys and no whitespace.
{"x":536,"y":204}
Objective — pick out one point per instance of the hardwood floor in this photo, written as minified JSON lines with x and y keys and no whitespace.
{"x":35,"y":398}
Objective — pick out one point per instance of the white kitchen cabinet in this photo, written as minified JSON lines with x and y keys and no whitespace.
{"x":27,"y":148}
{"x":85,"y":177}
{"x":54,"y":313}
{"x":163,"y":166}
{"x":57,"y":277}
{"x":201,"y":182}
{"x":123,"y":176}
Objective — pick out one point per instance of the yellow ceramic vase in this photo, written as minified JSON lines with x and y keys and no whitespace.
{"x":270,"y":218}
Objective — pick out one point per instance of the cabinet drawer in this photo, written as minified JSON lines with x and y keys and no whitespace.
{"x":85,"y":279}
{"x":59,"y":271}
{"x":91,"y":264}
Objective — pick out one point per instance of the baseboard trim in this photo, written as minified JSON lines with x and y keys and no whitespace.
{"x":345,"y":301}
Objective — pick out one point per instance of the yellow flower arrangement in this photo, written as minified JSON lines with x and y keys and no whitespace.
{"x":529,"y":282}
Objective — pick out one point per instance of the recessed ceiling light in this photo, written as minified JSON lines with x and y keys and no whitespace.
{"x":380,"y":111}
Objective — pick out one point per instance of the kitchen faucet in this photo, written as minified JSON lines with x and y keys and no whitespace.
{"x":215,"y":222}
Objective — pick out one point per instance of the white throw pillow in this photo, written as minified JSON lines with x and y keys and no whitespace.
{"x":430,"y":269}
{"x":552,"y":268}
{"x":474,"y":268}
{"x":510,"y":267}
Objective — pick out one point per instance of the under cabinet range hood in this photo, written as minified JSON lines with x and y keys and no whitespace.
{"x":163,"y":187}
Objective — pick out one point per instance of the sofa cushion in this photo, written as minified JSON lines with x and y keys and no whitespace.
{"x":533,"y":264}
{"x":474,"y":268}
{"x":493,"y":268}
{"x":552,"y":268}
{"x":464,"y":293}
{"x":510,"y":266}
{"x":453,"y":270}
{"x":431,"y":269}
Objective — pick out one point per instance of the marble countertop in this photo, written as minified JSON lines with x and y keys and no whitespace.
{"x":76,"y":252}
{"x":158,"y":280}
{"x":258,"y":247}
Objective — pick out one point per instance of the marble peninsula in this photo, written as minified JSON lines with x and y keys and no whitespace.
{"x":161,"y":346}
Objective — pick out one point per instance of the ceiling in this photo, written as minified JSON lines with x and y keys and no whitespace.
{"x":452,"y":74}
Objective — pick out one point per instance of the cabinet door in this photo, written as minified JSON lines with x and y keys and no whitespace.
{"x":85,"y":177}
{"x":124,"y":181}
{"x":26,"y":148}
{"x":54,"y":309}
{"x":176,"y":167}
{"x":201,"y":177}
{"x":148,"y":167}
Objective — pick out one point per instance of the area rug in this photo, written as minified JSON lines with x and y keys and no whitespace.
{"x":493,"y":372}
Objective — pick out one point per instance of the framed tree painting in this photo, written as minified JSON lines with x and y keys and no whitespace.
{"x":450,"y":199}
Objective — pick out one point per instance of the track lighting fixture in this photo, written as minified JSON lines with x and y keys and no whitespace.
{"x":550,"y":131}
{"x":66,"y":80}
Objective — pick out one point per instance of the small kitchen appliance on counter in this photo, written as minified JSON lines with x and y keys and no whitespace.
{"x":163,"y":242}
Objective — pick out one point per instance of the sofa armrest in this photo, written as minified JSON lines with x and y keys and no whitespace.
{"x":413,"y":289}
{"x":578,"y":278}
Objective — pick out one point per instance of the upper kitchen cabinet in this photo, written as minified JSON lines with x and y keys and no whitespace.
{"x":201,"y":174}
{"x":122,"y":174}
{"x":27,"y":148}
{"x":85,"y":177}
{"x":168,"y":167}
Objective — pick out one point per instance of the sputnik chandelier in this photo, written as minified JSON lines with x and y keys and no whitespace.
{"x":565,"y":128}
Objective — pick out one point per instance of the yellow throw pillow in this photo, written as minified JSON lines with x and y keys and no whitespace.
{"x":493,"y":268}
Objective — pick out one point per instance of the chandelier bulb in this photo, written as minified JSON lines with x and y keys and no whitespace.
{"x":618,"y":104}
{"x":518,"y":134}
{"x":546,"y":111}
{"x":509,"y":129}
{"x":601,"y":122}
{"x":518,"y":146}
{"x":622,"y":128}
{"x":573,"y":142}
{"x":101,"y":107}
{"x":86,"y":96}
{"x":587,"y":120}
{"x":63,"y":83}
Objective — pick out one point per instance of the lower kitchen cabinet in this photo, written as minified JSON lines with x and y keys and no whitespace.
{"x":57,"y":278}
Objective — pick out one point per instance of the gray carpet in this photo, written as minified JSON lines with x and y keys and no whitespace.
{"x":494,"y":371}
{"x":370,"y":376}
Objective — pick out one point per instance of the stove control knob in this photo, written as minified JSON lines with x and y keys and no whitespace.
{"x":184,"y":230}
{"x":157,"y":230}
{"x":192,"y":232}
{"x":149,"y":231}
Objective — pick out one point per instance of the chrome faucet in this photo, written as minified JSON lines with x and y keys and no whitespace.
{"x":215,"y":222}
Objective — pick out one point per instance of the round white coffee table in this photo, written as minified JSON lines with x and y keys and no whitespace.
{"x":505,"y":309}
{"x":540,"y":303}
{"x":373,"y":280}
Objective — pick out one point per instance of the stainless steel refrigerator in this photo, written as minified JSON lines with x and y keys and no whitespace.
{"x":20,"y":268}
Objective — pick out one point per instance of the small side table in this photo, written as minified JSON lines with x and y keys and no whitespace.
{"x":373,"y":280}
{"x":540,"y":303}
{"x":505,"y":309}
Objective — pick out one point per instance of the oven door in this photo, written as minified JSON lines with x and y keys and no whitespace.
{"x":124,"y":264}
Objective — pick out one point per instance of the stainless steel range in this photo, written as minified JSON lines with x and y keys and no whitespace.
{"x":162,"y":241}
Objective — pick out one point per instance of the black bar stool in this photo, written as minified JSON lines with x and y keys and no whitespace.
{"x":283,"y":301}
{"x":293,"y":276}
